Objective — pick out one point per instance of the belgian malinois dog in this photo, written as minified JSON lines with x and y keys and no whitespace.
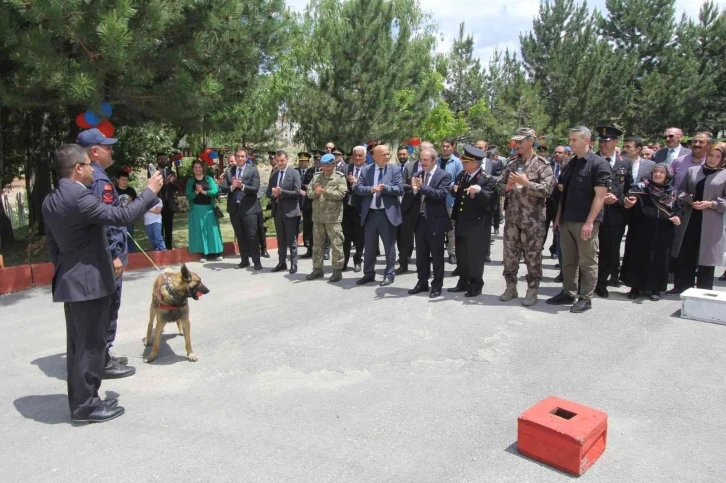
{"x":169,"y":304}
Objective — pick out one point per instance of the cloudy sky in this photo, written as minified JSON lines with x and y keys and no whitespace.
{"x":497,"y":23}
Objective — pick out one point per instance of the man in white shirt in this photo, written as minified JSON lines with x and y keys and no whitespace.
{"x":632,"y":148}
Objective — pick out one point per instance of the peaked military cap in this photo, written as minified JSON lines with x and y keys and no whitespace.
{"x":337,"y":151}
{"x":317,"y":153}
{"x":303,"y":156}
{"x":608,"y":133}
{"x":473,"y":154}
{"x":271,"y":153}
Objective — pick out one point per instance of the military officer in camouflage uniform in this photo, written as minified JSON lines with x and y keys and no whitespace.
{"x":327,"y":190}
{"x":526,"y":183}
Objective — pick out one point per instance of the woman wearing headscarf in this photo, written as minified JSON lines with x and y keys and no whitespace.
{"x":700,"y":241}
{"x":205,"y":236}
{"x":654,"y":214}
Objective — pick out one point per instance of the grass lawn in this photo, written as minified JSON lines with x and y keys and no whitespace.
{"x":21,"y":253}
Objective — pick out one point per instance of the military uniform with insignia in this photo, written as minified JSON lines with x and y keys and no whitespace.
{"x":327,"y":218}
{"x":524,"y":219}
{"x":615,"y":215}
{"x":472,"y":217}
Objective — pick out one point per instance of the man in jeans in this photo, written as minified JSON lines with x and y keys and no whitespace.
{"x":578,"y":218}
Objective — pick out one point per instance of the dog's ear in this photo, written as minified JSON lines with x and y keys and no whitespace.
{"x":186,"y":274}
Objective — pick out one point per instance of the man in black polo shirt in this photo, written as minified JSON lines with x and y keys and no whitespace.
{"x":585,"y":182}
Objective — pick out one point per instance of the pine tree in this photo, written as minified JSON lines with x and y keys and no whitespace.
{"x":364,"y":69}
{"x":465,"y":79}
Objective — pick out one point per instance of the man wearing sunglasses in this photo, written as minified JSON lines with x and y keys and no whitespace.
{"x":673,"y":149}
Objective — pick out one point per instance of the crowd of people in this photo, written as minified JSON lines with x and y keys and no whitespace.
{"x":670,"y":201}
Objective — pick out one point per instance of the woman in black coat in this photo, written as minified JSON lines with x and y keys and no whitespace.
{"x":654,"y":213}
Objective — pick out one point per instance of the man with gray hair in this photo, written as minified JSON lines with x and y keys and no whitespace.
{"x":673,"y":149}
{"x":585,"y":184}
{"x":352,"y":229}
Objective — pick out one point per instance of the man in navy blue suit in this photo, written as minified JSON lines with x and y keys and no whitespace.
{"x":379,"y":186}
{"x":430,"y":187}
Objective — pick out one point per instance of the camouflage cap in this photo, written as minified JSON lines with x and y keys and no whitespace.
{"x":524,"y":133}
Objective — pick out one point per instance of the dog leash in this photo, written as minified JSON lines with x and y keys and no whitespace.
{"x":167,"y":283}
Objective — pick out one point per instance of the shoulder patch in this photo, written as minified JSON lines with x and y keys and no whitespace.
{"x":108,"y":187}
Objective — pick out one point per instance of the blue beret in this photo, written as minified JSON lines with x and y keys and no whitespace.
{"x":327,"y":159}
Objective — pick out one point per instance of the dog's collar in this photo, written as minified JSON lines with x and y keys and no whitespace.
{"x":158,"y":298}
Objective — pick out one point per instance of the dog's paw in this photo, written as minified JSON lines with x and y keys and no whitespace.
{"x":193,"y":358}
{"x":150,"y":358}
{"x":146,"y":342}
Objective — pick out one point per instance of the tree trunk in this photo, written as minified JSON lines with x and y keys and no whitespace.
{"x":37,"y":167}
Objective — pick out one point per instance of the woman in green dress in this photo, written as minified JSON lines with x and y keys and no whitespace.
{"x":205,"y":236}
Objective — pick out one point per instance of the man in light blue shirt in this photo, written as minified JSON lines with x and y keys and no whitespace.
{"x":452,"y":165}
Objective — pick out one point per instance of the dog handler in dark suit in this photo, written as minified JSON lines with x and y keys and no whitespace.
{"x":241,"y":184}
{"x":283,"y":190}
{"x":99,"y":149}
{"x":84,"y":276}
{"x":475,"y":193}
{"x":430,"y":187}
{"x":378,"y":187}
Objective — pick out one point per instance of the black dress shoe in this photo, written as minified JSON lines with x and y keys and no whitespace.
{"x":115,"y":371}
{"x":435,"y":292}
{"x":401,"y":270}
{"x":386,"y":281}
{"x":293,"y":268}
{"x":496,"y":231}
{"x":559,"y":278}
{"x":365,"y":280}
{"x":562,"y":298}
{"x":264,"y":254}
{"x":258,"y":267}
{"x":722,"y":278}
{"x":456,"y":289}
{"x":614,"y":282}
{"x":674,"y":291}
{"x":110,"y":403}
{"x":654,"y":297}
{"x":553,"y":256}
{"x":120,"y":360}
{"x":357,"y":268}
{"x":602,"y":292}
{"x":452,"y":259}
{"x":455,"y":272}
{"x":418,"y":289}
{"x":243,"y":264}
{"x":633,"y":294}
{"x":279,"y":267}
{"x":488,"y":259}
{"x":326,"y":256}
{"x":472,"y":293}
{"x":100,"y":415}
{"x":308,"y":254}
{"x":580,"y":306}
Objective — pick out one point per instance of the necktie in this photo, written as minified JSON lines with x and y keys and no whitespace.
{"x":557,"y":171}
{"x":671,"y":155}
{"x":239,"y":173}
{"x":610,"y":162}
{"x":279,"y":178}
{"x":427,"y":178}
{"x":379,"y":201}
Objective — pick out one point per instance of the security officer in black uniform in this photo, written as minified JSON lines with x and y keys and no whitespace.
{"x":100,"y":151}
{"x":475,"y":194}
{"x":615,"y":215}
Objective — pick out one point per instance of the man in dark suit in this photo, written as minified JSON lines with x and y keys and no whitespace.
{"x":241,"y":184}
{"x":493,"y":167}
{"x":673,"y":149}
{"x":641,"y":168}
{"x":405,"y":231}
{"x":340,"y":164}
{"x":559,"y":155}
{"x":615,"y":215}
{"x":283,"y":190}
{"x":379,"y":186}
{"x":429,"y":188}
{"x":84,"y":276}
{"x":475,"y":193}
{"x":352,"y":229}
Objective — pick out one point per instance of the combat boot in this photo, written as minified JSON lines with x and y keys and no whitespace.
{"x":316,"y":273}
{"x":510,"y":293}
{"x":531,"y":297}
{"x":337,"y":276}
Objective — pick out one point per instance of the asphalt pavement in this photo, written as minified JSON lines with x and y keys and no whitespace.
{"x":315,"y":382}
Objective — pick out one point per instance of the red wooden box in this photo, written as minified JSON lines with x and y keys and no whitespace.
{"x":562,"y":434}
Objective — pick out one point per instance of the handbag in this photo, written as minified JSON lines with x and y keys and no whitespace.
{"x":217,"y":212}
